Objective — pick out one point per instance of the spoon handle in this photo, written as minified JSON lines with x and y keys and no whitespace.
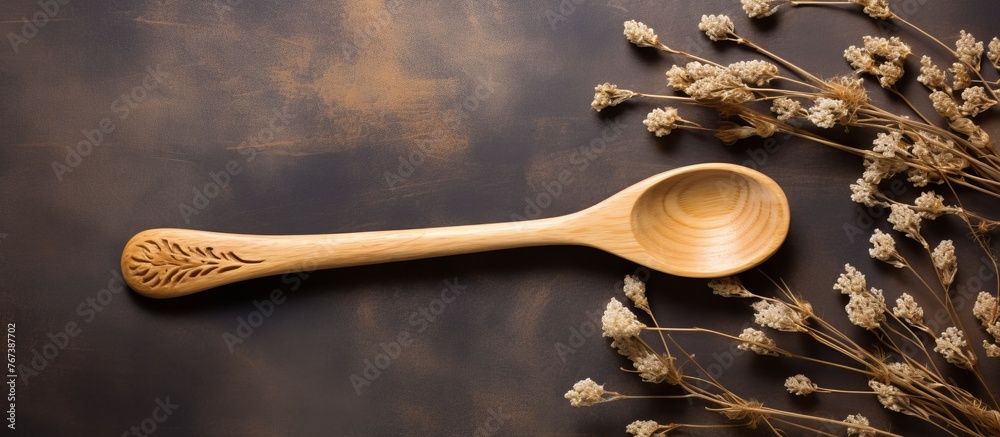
{"x":165,"y":262}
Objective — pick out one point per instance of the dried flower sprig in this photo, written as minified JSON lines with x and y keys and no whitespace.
{"x":953,"y":151}
{"x":914,"y":386}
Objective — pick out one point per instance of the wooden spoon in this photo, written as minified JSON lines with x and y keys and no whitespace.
{"x":701,"y":221}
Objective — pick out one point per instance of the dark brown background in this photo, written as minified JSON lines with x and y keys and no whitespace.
{"x":366,"y":83}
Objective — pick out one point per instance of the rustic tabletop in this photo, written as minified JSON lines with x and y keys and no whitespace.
{"x":306,"y":116}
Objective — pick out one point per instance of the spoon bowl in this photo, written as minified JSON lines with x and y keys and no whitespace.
{"x":702,"y":221}
{"x":710,"y":221}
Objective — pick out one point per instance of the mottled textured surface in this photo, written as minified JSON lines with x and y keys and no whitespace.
{"x":367,"y":115}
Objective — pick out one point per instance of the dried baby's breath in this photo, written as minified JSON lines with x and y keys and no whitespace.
{"x":800,"y":385}
{"x":716,"y":27}
{"x":758,"y":8}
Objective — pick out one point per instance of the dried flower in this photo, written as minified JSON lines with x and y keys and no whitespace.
{"x":729,"y":287}
{"x":662,"y":121}
{"x":857,"y":419}
{"x":656,"y":369}
{"x":607,"y":94}
{"x":586,"y":393}
{"x":865,"y":193}
{"x":721,"y":88}
{"x":930,"y":75}
{"x":986,"y":309}
{"x":945,"y":262}
{"x":642,"y":428}
{"x":758,"y":8}
{"x":881,"y":57}
{"x":970,"y":51}
{"x":800,"y":385}
{"x":757,"y":342}
{"x":866,"y":310}
{"x":908,"y":310}
{"x":994,"y":52}
{"x":636,"y":291}
{"x":851,"y":281}
{"x":992,"y":350}
{"x":976,"y":101}
{"x":877,"y":169}
{"x":875,"y":8}
{"x":951,"y":345}
{"x":678,"y":78}
{"x":890,"y":397}
{"x":827,"y":112}
{"x":717,"y":27}
{"x":778,"y":315}
{"x":931,"y":205}
{"x":619,"y":323}
{"x":960,"y":77}
{"x":945,"y":105}
{"x":785,"y":108}
{"x":904,"y":220}
{"x":888,"y":144}
{"x":641,"y":34}
{"x":884,"y":249}
{"x":754,"y":72}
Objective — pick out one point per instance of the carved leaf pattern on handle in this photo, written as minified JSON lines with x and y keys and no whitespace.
{"x":167,"y":262}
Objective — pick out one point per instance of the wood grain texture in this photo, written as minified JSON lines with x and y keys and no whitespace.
{"x":703,"y":221}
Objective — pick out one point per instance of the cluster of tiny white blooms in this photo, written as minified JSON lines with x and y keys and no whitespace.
{"x":987,"y":307}
{"x":709,"y":83}
{"x":987,"y":311}
{"x":993,"y":52}
{"x":661,"y":121}
{"x":945,"y":105}
{"x":951,"y":345}
{"x":875,"y":8}
{"x":884,"y":249}
{"x":930,"y":75}
{"x":908,"y":310}
{"x":904,"y":220}
{"x":890,"y":397}
{"x":888,"y":144}
{"x":754,"y":72}
{"x":931,"y":205}
{"x":851,"y":281}
{"x":642,"y":428}
{"x":717,"y":27}
{"x":882,"y":57}
{"x":652,"y":367}
{"x":729,"y":287}
{"x":945,"y":261}
{"x":585,"y":393}
{"x":905,"y":371}
{"x":992,"y":350}
{"x":785,"y":108}
{"x":640,"y":34}
{"x":778,"y":315}
{"x":757,"y":342}
{"x":758,"y":8}
{"x":970,"y":51}
{"x":826,"y":112}
{"x":607,"y":94}
{"x":857,"y":419}
{"x":864,"y":192}
{"x":878,"y":169}
{"x":620,"y":322}
{"x":866,"y":310}
{"x":800,"y":385}
{"x":960,"y":76}
{"x":636,"y":291}
{"x":976,"y":101}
